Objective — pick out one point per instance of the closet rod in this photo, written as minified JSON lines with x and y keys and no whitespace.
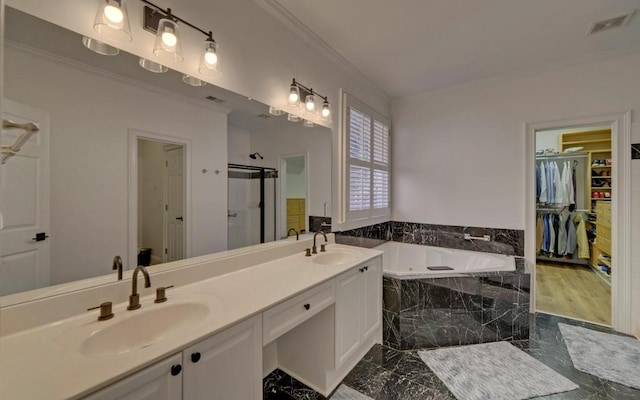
{"x":559,"y":209}
{"x":563,"y":155}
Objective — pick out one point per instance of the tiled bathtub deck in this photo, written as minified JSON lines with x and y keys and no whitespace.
{"x":389,"y":374}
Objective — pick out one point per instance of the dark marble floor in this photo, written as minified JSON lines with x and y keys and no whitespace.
{"x":388,"y":374}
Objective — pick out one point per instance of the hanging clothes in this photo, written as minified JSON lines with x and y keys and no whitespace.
{"x":581,"y":233}
{"x":537,"y":182}
{"x":543,"y":196}
{"x":562,"y":233}
{"x":539,"y":234}
{"x":572,"y":236}
{"x":557,"y":181}
{"x":552,"y":235}
{"x":546,"y":233}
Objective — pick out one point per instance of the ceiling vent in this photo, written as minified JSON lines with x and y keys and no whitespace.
{"x":214,"y":99}
{"x":611,"y":23}
{"x":264,"y":116}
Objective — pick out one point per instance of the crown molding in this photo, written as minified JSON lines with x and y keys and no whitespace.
{"x":304,"y":32}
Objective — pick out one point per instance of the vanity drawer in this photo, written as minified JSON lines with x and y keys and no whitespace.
{"x":285,"y":316}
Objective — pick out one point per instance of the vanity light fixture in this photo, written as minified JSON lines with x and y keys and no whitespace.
{"x":112,"y":20}
{"x":293,"y":118}
{"x":192,"y":80}
{"x":99,"y":47}
{"x":209,"y":64}
{"x":152,"y":66}
{"x":311,"y":98}
{"x":275,"y":111}
{"x":164,"y":24}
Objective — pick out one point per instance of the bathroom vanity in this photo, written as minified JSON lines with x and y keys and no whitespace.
{"x":227,"y":323}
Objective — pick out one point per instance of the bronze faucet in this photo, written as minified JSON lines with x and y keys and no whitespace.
{"x":134,"y":298}
{"x":293,"y":229}
{"x":314,"y":249}
{"x":117,"y":265}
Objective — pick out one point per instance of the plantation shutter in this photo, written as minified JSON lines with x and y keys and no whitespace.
{"x":368,"y":185}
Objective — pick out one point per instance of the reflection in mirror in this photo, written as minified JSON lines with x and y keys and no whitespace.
{"x":134,"y":164}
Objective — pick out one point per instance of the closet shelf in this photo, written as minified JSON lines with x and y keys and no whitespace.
{"x":600,"y":177}
{"x":586,"y":141}
{"x":601,"y":167}
{"x":600,"y":199}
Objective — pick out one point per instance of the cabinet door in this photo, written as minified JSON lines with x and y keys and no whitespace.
{"x":372,"y":298}
{"x":227,"y":366}
{"x":348,"y":314}
{"x":161,"y":381}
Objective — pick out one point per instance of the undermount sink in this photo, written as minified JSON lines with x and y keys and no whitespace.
{"x":335,"y":257}
{"x":138,"y":330}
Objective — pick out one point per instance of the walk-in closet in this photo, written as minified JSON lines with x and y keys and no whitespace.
{"x":573,"y":223}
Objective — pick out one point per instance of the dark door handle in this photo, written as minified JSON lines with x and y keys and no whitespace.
{"x":176,"y":369}
{"x":40,"y":237}
{"x":195,"y":357}
{"x":307,"y":306}
{"x":180,"y":218}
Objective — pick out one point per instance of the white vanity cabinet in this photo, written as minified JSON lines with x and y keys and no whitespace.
{"x":358,"y":309}
{"x":223,"y":367}
{"x":161,"y":381}
{"x":226,"y":366}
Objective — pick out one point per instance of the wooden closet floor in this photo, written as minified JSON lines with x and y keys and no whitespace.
{"x":572,"y":291}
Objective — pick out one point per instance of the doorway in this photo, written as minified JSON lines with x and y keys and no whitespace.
{"x":294,"y":194}
{"x":620,"y":269}
{"x":159,"y":187}
{"x":574,"y":193}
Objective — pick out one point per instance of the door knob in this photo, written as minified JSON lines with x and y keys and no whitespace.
{"x":40,"y":237}
{"x":180,"y":218}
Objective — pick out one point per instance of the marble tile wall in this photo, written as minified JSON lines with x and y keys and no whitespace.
{"x":440,"y":312}
{"x":503,"y":241}
{"x":317,"y":224}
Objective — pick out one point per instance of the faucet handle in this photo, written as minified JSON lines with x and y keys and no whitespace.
{"x":307,"y":252}
{"x":161,"y":295}
{"x":105,"y":310}
{"x":323,"y":247}
{"x":134,"y":302}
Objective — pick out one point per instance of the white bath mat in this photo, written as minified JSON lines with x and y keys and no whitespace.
{"x":344,"y":392}
{"x":612,"y":357}
{"x":494,"y":371}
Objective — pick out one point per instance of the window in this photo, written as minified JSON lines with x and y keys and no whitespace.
{"x":367,"y":163}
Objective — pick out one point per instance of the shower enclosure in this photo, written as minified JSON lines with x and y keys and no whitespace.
{"x":251,"y":205}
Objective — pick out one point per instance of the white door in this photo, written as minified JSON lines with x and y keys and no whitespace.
{"x":348,"y":314}
{"x":372,"y":301}
{"x":24,"y":204}
{"x":161,"y":381}
{"x":175,"y":204}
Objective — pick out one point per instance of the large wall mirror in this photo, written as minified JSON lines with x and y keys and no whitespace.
{"x":139,"y":165}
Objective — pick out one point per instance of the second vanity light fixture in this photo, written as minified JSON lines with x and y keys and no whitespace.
{"x":311,"y":106}
{"x":112,"y":22}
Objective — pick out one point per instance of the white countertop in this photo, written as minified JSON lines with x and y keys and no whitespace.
{"x":37,"y":364}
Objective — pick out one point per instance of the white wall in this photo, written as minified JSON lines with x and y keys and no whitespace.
{"x":297,"y":185}
{"x":90,"y":118}
{"x":458,"y":155}
{"x":238,"y":145}
{"x":296,"y":140}
{"x":635,"y":231}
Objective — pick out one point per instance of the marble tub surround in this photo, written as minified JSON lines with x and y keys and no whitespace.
{"x":503,"y":241}
{"x":441,"y":312}
{"x":243,"y":292}
{"x":315,"y":224}
{"x":368,"y":236}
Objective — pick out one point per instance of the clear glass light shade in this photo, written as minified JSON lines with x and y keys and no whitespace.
{"x":210,"y":62}
{"x":275,"y":111}
{"x":326,"y":112}
{"x":99,"y":47}
{"x":294,"y":96}
{"x":310,"y":104}
{"x":293,"y":118}
{"x":192,"y":80}
{"x":168,"y":46}
{"x":112,"y":20}
{"x":152,"y":66}
{"x":308,"y":124}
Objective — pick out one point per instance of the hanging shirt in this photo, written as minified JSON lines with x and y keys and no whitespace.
{"x":557,"y":181}
{"x":552,"y":236}
{"x":542,"y":197}
{"x":581,"y":232}
{"x":566,"y":183}
{"x":571,"y":184}
{"x":562,"y":233}
{"x":550,"y":186}
{"x":537,"y":182}
{"x":572,"y":238}
{"x":539,"y":234}
{"x":546,"y":235}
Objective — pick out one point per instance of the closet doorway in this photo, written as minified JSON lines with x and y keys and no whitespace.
{"x":573,"y":197}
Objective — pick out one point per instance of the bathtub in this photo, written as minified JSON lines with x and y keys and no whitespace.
{"x":411,"y":261}
{"x":479,"y":298}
